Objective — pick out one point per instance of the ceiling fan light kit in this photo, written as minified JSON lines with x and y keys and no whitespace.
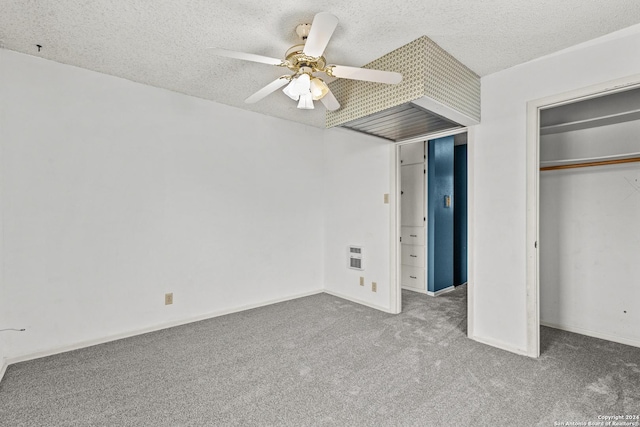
{"x":306,"y":102}
{"x":318,"y":88}
{"x":305,"y":60}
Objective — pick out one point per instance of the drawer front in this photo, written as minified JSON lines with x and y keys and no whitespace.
{"x":412,"y":277}
{"x":413,"y":235}
{"x":413,"y":255}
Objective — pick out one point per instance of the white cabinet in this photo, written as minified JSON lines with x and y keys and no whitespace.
{"x":412,"y":194}
{"x":412,"y":153}
{"x":413,"y":185}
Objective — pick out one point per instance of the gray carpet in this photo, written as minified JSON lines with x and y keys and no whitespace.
{"x":324,"y":361}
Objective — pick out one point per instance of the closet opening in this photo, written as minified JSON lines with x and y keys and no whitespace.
{"x":583,"y":205}
{"x":589,"y":217}
{"x":433,"y":222}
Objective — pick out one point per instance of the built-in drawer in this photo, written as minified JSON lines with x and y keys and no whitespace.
{"x":412,"y":277}
{"x":413,"y":255}
{"x":413,"y":235}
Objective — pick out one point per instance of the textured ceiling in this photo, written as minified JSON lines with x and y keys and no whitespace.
{"x":162,"y":42}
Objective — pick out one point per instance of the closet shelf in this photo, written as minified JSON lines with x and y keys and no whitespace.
{"x":611,"y":119}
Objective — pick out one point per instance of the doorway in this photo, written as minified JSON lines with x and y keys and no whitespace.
{"x":432,"y":213}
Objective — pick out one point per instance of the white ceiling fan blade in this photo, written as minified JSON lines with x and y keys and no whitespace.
{"x":245,"y":56}
{"x":354,"y":73}
{"x":322,"y":28}
{"x":330,"y":102}
{"x":268,"y":89}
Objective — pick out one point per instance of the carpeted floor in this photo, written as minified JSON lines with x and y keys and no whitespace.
{"x":323,"y":361}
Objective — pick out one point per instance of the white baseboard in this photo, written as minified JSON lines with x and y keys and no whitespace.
{"x":441,"y":291}
{"x":501,"y":345}
{"x":357,"y":301}
{"x":3,"y":368}
{"x":587,"y":332}
{"x":419,"y":291}
{"x":89,"y":343}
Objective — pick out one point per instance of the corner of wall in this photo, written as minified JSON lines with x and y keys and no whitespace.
{"x":3,"y":368}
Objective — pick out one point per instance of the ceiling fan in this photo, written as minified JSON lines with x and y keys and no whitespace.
{"x":305,"y":60}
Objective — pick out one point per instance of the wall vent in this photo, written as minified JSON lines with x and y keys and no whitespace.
{"x":355,"y":257}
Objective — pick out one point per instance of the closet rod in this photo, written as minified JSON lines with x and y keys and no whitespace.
{"x":588,"y":164}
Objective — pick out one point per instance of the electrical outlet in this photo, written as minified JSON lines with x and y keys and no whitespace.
{"x":374,"y":287}
{"x":361,"y":281}
{"x":168,"y":298}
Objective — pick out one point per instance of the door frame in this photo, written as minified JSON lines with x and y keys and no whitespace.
{"x":533,"y":191}
{"x":395,"y":232}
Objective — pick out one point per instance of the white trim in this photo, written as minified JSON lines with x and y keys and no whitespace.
{"x":448,"y":113}
{"x":441,"y":291}
{"x":501,"y":345}
{"x":591,"y":333}
{"x":428,"y":136}
{"x":358,"y":301}
{"x":3,"y":368}
{"x":532,"y":236}
{"x":471,"y":148}
{"x":395,"y":293}
{"x":409,"y":288}
{"x":533,"y":176}
{"x":89,"y":343}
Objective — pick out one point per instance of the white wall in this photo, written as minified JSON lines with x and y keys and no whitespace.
{"x":499,"y":174}
{"x":357,"y":175}
{"x":114,"y":193}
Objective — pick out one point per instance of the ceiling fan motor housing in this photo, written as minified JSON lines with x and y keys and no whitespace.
{"x":302,"y":31}
{"x":296,"y":59}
